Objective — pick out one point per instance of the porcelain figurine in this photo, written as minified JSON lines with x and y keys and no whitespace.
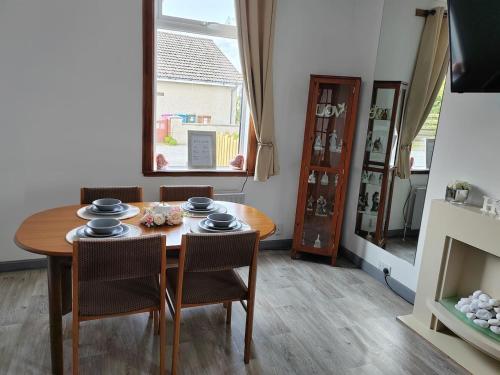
{"x":368,"y":147}
{"x":380,"y":179}
{"x":310,"y":204}
{"x":321,"y":209}
{"x":336,"y":179}
{"x":364,"y":177}
{"x":332,"y":206}
{"x":317,"y":242}
{"x":339,"y":145}
{"x":324,"y":179}
{"x":375,"y":201}
{"x":317,"y":144}
{"x":373,"y":178}
{"x":312,"y":178}
{"x":333,"y":141}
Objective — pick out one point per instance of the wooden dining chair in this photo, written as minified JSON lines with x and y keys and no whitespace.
{"x":115,"y":277}
{"x":171,"y":193}
{"x":206,"y":276}
{"x":126,"y":194}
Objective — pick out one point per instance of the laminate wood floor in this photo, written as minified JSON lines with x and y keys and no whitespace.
{"x":310,"y":318}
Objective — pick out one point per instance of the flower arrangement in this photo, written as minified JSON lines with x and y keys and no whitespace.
{"x":158,"y":217}
{"x":459,"y":185}
{"x":458,"y":191}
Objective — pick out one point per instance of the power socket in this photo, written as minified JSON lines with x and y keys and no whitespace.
{"x":382,"y":266}
{"x":278,"y":230}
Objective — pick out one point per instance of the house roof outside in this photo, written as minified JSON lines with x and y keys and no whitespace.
{"x":187,"y":58}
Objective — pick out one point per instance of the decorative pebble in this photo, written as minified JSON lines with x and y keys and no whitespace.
{"x":484,"y":297}
{"x":494,"y":322}
{"x":498,"y":316}
{"x":495,"y":329}
{"x":471,"y":316}
{"x":466,"y":309}
{"x":474,"y":306}
{"x":477,"y":293}
{"x":485,"y":305}
{"x":464,"y":301}
{"x":483,"y":314}
{"x":494,"y":302}
{"x":481,"y":323}
{"x":497,"y":309}
{"x":457,"y":307}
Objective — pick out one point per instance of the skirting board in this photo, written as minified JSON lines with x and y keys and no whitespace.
{"x":30,"y":264}
{"x":373,"y":271}
{"x":20,"y":265}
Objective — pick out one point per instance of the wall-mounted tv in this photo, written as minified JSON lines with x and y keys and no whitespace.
{"x":474,"y":45}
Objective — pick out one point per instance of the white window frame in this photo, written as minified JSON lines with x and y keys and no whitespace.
{"x":211,"y":29}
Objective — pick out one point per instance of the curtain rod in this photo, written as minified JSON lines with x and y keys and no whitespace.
{"x":425,"y":12}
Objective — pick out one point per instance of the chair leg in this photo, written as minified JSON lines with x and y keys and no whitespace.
{"x":229,"y":307}
{"x":76,"y":340}
{"x":176,"y":339}
{"x":163,"y":342}
{"x":155,"y":321}
{"x":248,"y":329}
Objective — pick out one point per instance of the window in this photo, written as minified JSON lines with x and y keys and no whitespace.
{"x":422,"y":147}
{"x":197,"y":85}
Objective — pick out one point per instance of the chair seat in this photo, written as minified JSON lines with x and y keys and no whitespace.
{"x":121,"y":296}
{"x":207,"y":287}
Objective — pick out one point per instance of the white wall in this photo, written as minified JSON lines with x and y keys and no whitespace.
{"x":71,"y":77}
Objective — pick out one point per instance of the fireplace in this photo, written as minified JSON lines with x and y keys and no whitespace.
{"x":461,"y":254}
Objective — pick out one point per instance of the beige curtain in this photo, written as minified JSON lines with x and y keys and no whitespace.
{"x":430,"y":70}
{"x":256,"y":34}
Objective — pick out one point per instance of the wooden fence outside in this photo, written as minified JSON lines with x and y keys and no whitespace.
{"x":227,"y":148}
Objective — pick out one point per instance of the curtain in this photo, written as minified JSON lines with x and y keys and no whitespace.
{"x":256,"y":34}
{"x":428,"y":75}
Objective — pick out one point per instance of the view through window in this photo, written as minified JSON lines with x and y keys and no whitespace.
{"x":199,"y":85}
{"x":423,"y":144}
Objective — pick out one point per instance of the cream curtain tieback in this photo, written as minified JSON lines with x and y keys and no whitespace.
{"x":264,"y":144}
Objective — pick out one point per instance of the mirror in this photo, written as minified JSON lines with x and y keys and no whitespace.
{"x":389,"y":210}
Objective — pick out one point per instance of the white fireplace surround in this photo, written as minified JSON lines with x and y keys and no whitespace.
{"x":461,"y":254}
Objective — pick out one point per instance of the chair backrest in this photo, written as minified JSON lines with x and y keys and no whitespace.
{"x":118,"y":259}
{"x":124,"y":193}
{"x":184,"y":192}
{"x":217,"y":252}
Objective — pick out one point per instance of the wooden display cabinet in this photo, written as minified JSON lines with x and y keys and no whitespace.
{"x":377,"y":176}
{"x":326,"y":155}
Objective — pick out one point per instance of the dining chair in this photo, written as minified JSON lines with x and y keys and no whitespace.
{"x":171,"y":193}
{"x":126,"y":194}
{"x":206,"y":275}
{"x":116,"y":277}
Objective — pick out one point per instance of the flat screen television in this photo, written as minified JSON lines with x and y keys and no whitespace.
{"x":474,"y":45}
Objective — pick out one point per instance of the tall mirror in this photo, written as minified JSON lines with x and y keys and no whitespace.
{"x":403,"y":123}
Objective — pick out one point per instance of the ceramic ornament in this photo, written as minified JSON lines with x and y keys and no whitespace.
{"x":321,"y":209}
{"x":312,"y":178}
{"x":161,"y":162}
{"x":237,"y":162}
{"x":317,"y":242}
{"x":324,"y":179}
{"x":310,"y":204}
{"x":333,"y":141}
{"x":364,"y":177}
{"x":336,"y":179}
{"x":317,"y":144}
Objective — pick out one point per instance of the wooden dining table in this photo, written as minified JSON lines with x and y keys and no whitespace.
{"x":45,"y":233}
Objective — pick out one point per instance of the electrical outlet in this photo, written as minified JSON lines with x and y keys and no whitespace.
{"x":278,"y":229}
{"x":382,"y":265}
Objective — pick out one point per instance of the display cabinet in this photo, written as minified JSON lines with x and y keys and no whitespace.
{"x":377,"y":176}
{"x":329,"y":131}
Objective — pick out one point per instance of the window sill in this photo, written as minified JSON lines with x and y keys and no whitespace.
{"x":209,"y":173}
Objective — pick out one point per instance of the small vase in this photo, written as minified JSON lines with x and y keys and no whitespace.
{"x":461,"y":196}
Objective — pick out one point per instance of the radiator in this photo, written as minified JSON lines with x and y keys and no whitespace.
{"x":235,"y":197}
{"x":418,"y":206}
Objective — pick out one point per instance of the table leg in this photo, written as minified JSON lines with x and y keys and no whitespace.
{"x":55,"y":313}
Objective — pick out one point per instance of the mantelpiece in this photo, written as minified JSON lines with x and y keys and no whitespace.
{"x":461,"y":254}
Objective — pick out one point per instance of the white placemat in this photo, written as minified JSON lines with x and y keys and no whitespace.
{"x":133,"y":232}
{"x":195,"y":228}
{"x":85,"y":214}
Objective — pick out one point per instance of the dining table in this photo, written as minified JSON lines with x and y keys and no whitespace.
{"x":45,"y":233}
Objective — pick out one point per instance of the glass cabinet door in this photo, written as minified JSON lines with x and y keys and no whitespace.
{"x":320,"y":209}
{"x":329,"y":132}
